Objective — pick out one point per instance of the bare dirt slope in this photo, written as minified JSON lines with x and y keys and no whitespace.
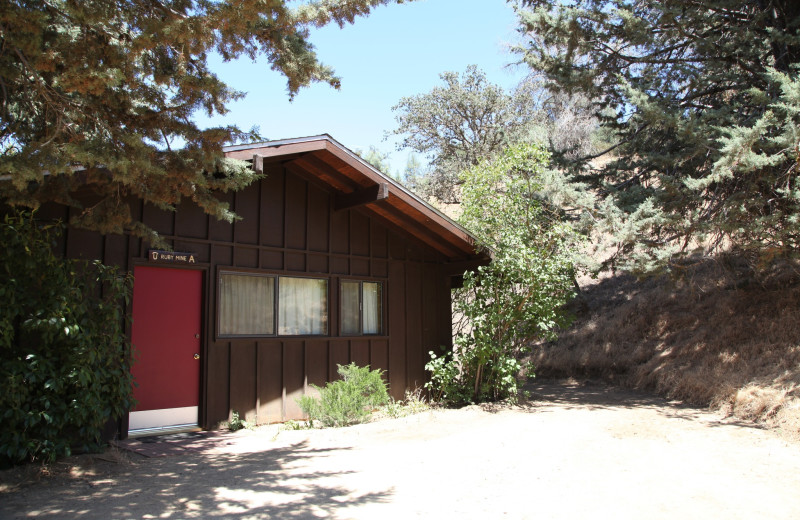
{"x":574,"y":451}
{"x":716,"y":336}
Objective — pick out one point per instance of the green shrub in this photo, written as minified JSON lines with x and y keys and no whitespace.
{"x":295,"y":425}
{"x":348,"y":400}
{"x":64,"y":354}
{"x":521,"y":295}
{"x":446,"y":385}
{"x":237,"y":423}
{"x":413,"y":403}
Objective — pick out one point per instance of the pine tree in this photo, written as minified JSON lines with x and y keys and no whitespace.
{"x":99,"y":95}
{"x":378,"y":159}
{"x":702,"y":103}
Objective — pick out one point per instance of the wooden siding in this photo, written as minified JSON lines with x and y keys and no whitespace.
{"x":327,"y":163}
{"x":289,"y":226}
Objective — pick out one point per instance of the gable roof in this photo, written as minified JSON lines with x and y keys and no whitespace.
{"x":357,"y":183}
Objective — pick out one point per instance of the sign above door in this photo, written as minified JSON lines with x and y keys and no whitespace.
{"x":171,"y":257}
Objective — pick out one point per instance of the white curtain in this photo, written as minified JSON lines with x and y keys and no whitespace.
{"x":371,"y":307}
{"x":303,"y":306}
{"x":246,"y":305}
{"x":350,"y":308}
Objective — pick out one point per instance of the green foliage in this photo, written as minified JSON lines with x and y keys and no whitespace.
{"x":237,"y":423}
{"x":518,"y":297}
{"x":295,"y":425}
{"x":700,"y":102}
{"x":413,"y":173}
{"x":470,"y":119}
{"x":100,"y":95}
{"x":348,"y":400}
{"x":64,"y":355}
{"x":378,"y":159}
{"x":413,"y":403}
{"x":459,"y":124}
{"x":448,"y":384}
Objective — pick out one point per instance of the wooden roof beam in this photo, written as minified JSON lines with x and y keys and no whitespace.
{"x":418,"y":230}
{"x":322,"y":160}
{"x":361,"y":197}
{"x":326,"y":173}
{"x":458,"y":268}
{"x":270,"y":150}
{"x":258,"y":164}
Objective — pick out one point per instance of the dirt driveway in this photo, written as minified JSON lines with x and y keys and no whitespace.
{"x":576,"y":451}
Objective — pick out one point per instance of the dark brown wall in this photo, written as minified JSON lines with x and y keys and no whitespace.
{"x":288,"y":226}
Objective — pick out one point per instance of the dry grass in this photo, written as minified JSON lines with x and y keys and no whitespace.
{"x":712,"y":338}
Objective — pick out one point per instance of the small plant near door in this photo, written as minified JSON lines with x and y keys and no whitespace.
{"x":237,"y":423}
{"x":347,"y":401}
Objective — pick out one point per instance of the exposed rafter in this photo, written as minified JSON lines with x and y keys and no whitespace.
{"x":361,"y":197}
{"x":355,"y":183}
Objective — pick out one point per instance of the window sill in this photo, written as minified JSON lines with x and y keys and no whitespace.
{"x":289,"y":338}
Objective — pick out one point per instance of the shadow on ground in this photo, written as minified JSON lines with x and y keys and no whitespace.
{"x":592,"y":395}
{"x":295,"y":479}
{"x":596,"y":395}
{"x":271,"y":484}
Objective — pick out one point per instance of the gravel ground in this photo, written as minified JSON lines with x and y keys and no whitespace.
{"x":574,"y":451}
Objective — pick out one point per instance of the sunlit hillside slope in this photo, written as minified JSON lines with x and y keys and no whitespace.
{"x":715,"y":336}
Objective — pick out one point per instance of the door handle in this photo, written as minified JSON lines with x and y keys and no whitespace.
{"x":196,"y":356}
{"x":197,"y":336}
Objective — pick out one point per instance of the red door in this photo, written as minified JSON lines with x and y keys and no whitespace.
{"x":166,"y":339}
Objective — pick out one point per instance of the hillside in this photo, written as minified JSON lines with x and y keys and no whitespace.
{"x":713,"y":337}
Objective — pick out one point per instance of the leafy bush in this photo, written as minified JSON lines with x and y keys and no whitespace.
{"x":295,"y":425}
{"x":348,"y":400}
{"x":237,"y":423}
{"x":520,"y":296}
{"x":64,"y":355}
{"x":413,"y":403}
{"x":446,"y":384}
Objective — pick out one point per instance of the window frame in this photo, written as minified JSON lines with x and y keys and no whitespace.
{"x":275,"y":304}
{"x":327,"y":315}
{"x":381,"y":311}
{"x":218,"y":310}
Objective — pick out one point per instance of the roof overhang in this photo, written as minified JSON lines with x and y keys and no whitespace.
{"x":357,"y":183}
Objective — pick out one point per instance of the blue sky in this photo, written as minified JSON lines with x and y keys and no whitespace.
{"x":399,"y":50}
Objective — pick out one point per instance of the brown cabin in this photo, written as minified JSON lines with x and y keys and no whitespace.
{"x":331,"y":263}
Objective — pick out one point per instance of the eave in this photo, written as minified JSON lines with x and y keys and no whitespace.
{"x":356,"y":183}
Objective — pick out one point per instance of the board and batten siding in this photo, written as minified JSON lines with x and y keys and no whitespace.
{"x":288,"y":226}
